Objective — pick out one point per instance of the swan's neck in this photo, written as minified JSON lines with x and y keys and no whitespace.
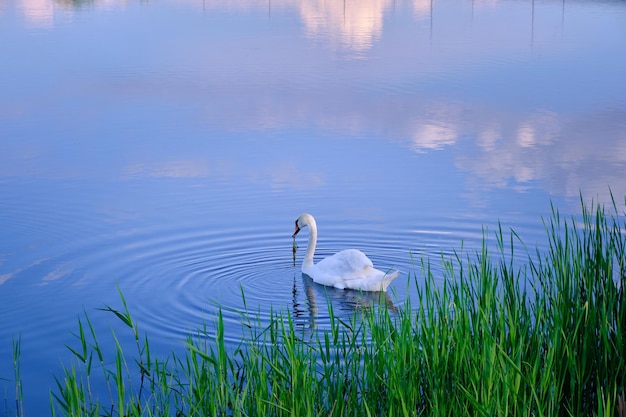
{"x":310,"y":247}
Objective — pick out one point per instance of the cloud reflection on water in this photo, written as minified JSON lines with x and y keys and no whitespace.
{"x":496,"y":144}
{"x":38,"y":13}
{"x":352,"y":25}
{"x":569,"y":154}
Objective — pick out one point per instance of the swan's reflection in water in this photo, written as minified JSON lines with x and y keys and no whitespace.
{"x":319,"y":297}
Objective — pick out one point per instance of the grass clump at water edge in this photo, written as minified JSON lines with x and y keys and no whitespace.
{"x":546,"y":339}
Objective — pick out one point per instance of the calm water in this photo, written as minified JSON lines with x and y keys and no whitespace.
{"x":165,"y":148}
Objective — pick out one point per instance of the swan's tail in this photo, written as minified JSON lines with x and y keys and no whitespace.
{"x":389,"y":276}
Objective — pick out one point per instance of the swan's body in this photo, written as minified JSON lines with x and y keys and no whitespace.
{"x":349,"y":268}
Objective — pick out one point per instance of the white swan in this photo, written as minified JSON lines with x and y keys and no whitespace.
{"x":349,"y":268}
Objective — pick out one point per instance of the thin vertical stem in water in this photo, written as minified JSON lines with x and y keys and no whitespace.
{"x":17,"y":354}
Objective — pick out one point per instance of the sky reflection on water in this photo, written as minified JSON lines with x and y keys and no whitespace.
{"x":518,"y":92}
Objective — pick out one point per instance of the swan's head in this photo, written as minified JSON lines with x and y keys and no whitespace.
{"x":303,"y":220}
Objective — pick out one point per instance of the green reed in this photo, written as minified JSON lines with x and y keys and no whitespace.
{"x":488,"y":338}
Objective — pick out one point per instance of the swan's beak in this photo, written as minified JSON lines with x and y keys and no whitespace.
{"x":296,"y":231}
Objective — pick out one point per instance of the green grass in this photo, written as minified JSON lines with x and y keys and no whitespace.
{"x":547,"y":338}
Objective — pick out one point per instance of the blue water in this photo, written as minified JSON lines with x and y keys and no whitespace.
{"x":164,"y":149}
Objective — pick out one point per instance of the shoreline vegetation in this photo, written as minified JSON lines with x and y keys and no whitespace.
{"x":547,"y":338}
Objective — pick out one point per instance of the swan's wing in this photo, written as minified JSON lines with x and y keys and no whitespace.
{"x":341,"y":266}
{"x":344,"y":263}
{"x":350,"y":268}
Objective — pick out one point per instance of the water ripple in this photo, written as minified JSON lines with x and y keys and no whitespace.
{"x":174,"y":278}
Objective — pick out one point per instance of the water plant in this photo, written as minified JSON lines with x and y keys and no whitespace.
{"x":545,"y":338}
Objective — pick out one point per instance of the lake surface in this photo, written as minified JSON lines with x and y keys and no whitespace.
{"x":165,"y":148}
